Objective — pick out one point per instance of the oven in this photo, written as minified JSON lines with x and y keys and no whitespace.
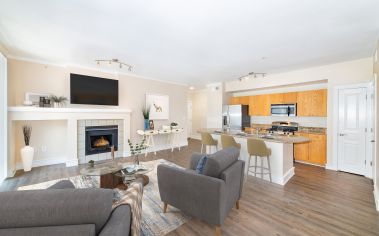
{"x":283,"y":109}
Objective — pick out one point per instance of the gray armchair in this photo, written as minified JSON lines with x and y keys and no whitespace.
{"x":63,"y":210}
{"x":208,"y":196}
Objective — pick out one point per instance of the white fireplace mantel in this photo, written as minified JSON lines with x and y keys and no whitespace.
{"x":71,"y":115}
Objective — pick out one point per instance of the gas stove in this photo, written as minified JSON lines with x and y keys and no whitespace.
{"x":283,"y":128}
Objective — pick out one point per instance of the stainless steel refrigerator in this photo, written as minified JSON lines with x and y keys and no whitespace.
{"x":235,"y":117}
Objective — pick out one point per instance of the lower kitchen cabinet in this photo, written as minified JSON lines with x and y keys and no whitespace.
{"x":313,"y":152}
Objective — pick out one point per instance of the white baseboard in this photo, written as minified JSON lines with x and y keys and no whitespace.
{"x":44,"y":162}
{"x":376,"y":197}
{"x":72,"y":162}
{"x":330,"y":167}
{"x":287,"y":176}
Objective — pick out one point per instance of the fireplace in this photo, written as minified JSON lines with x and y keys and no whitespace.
{"x":100,"y":139}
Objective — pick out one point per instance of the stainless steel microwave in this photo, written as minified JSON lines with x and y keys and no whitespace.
{"x":283,"y":109}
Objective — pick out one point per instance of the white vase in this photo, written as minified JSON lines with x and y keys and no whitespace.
{"x":27,"y":154}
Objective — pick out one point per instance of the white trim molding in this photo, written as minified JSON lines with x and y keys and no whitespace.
{"x":44,"y":162}
{"x":376,"y":198}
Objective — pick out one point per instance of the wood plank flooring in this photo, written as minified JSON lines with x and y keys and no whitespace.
{"x":314,"y":202}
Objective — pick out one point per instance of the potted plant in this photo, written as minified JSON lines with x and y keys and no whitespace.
{"x":58,"y":101}
{"x":136,"y":149}
{"x":146,"y":116}
{"x":91,"y":163}
{"x":27,"y":152}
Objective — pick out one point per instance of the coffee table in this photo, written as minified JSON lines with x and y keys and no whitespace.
{"x":110,"y":173}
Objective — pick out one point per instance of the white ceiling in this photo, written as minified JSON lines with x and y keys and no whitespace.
{"x":194,"y":42}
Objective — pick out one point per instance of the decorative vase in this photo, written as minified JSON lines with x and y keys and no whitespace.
{"x":27,"y":154}
{"x":146,"y":124}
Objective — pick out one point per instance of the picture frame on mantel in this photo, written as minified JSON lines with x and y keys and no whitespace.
{"x":159,"y":106}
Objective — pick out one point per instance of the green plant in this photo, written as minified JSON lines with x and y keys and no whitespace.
{"x":136,"y":149}
{"x":146,"y":113}
{"x":27,"y":131}
{"x":91,"y":163}
{"x":61,"y":101}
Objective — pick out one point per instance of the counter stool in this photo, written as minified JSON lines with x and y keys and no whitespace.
{"x":258,"y":148}
{"x":207,"y":140}
{"x":228,"y":141}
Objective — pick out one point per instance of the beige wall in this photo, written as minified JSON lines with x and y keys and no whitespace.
{"x":357,"y":71}
{"x":27,"y":76}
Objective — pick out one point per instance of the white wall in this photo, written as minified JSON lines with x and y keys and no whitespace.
{"x":26,"y":76}
{"x":349,"y":72}
{"x":3,"y":117}
{"x":206,"y":108}
{"x":376,"y":161}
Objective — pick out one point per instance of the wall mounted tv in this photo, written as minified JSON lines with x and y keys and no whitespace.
{"x":93,"y":90}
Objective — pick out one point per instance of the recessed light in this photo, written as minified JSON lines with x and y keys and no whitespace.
{"x":191,"y":88}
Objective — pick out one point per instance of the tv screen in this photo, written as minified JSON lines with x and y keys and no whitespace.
{"x":93,"y":90}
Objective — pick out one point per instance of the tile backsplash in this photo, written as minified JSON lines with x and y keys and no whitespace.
{"x":303,"y":121}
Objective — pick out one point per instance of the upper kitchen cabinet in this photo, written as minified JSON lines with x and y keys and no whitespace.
{"x":312,"y":103}
{"x":283,"y":98}
{"x":239,"y":100}
{"x":259,"y":105}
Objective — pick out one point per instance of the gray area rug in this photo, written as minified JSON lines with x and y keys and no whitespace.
{"x":154,"y":221}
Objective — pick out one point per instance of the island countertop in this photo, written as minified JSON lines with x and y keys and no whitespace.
{"x":265,"y":137}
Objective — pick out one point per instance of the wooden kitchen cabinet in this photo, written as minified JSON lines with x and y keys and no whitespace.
{"x":301,"y":150}
{"x":259,"y":105}
{"x":312,"y":152}
{"x":244,"y":100}
{"x":312,"y":103}
{"x":317,"y":149}
{"x":283,"y":98}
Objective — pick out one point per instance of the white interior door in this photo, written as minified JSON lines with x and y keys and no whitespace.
{"x":3,"y":118}
{"x":352,"y":116}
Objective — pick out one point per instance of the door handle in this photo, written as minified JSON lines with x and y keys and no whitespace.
{"x":373,"y":141}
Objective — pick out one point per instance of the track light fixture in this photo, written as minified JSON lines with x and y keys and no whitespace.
{"x":250,"y":75}
{"x":115,"y":61}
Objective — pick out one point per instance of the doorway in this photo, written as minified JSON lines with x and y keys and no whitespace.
{"x":354,"y":129}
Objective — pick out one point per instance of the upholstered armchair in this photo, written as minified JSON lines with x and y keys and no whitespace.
{"x":208,"y":196}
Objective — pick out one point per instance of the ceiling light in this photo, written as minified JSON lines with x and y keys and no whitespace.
{"x":116,"y":61}
{"x":191,"y":88}
{"x":250,"y":75}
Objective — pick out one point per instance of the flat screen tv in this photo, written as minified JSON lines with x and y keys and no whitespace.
{"x":93,"y":90}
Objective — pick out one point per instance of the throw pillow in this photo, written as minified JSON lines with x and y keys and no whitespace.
{"x":201,"y":164}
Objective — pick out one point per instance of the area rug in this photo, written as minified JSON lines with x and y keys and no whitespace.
{"x":154,"y":221}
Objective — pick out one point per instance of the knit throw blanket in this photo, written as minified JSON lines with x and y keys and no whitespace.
{"x":132,"y":197}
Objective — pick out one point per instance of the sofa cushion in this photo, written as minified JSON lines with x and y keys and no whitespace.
{"x":220,"y":161}
{"x":201,"y":164}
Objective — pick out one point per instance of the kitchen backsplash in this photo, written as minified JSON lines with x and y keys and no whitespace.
{"x":303,"y":121}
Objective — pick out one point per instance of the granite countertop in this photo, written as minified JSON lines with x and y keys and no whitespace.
{"x":264,"y":137}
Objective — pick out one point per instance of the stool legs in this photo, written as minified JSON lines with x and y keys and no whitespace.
{"x":269,"y":167}
{"x":255,"y":166}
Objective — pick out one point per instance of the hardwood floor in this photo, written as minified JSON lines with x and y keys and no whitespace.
{"x":314,"y":202}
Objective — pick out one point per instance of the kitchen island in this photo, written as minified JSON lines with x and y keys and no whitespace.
{"x":281,"y":146}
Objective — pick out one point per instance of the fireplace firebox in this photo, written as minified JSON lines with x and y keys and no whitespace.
{"x":100,"y":139}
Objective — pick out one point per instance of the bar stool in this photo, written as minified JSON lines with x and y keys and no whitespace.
{"x":228,"y":141}
{"x":258,"y":148}
{"x":207,"y":140}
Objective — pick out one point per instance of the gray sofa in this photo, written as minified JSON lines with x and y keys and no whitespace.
{"x":208,"y":196}
{"x":62,"y":210}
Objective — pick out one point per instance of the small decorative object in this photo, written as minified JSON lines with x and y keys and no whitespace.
{"x":33,"y":99}
{"x":91,"y":163}
{"x":146,"y":116}
{"x":174,"y":125}
{"x":27,"y":152}
{"x":151,"y":125}
{"x":58,"y":101}
{"x":41,"y":101}
{"x":159,"y":106}
{"x":136,"y":149}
